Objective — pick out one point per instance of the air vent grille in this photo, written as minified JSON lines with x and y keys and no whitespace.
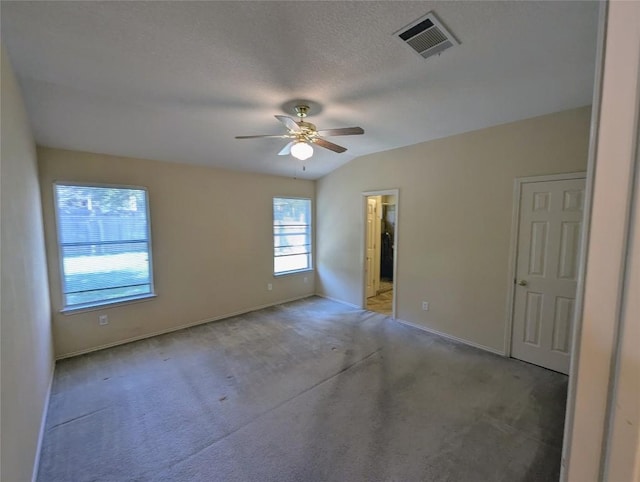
{"x":427,"y":36}
{"x":427,"y":39}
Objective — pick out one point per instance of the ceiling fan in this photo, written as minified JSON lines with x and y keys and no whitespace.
{"x":304,"y":134}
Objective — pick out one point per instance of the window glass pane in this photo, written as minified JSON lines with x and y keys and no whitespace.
{"x":104,"y":245}
{"x":291,"y":263}
{"x":99,"y":266}
{"x":291,"y":234}
{"x":291,"y":211}
{"x":288,"y":250}
{"x":112,"y":294}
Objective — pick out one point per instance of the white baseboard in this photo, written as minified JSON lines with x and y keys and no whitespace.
{"x":43,"y":423}
{"x":339,"y":301}
{"x":178,"y":328}
{"x":451,"y":337}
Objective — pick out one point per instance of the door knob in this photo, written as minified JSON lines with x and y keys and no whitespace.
{"x":522,"y":282}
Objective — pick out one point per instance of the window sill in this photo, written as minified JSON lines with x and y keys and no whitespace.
{"x":298,"y":271}
{"x":107,"y":304}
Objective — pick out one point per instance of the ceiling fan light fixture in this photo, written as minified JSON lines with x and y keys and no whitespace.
{"x":301,"y":150}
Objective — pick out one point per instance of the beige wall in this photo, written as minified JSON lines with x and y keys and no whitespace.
{"x":212,"y":245}
{"x":27,"y":355}
{"x":623,"y":461}
{"x":606,"y":412}
{"x":454,"y":219}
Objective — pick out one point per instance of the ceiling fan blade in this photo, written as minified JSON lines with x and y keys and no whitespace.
{"x":282,"y":136}
{"x":345,"y":131}
{"x":291,"y":124}
{"x":329,"y":145}
{"x":286,"y":150}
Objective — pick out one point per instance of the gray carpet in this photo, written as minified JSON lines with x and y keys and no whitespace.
{"x":307,"y":391}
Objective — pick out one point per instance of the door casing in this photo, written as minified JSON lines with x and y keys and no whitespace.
{"x":363,"y":257}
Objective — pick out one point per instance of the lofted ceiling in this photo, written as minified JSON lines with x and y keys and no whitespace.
{"x":178,"y":80}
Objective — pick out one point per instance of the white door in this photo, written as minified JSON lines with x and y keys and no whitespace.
{"x":547,"y":271}
{"x":371,"y":246}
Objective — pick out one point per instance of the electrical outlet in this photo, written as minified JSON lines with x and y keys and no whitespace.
{"x":425,"y":305}
{"x":269,"y":286}
{"x":103,"y":320}
{"x":305,"y":279}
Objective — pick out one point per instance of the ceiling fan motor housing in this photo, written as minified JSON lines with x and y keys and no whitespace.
{"x":306,"y":126}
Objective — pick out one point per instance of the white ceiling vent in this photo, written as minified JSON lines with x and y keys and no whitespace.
{"x":427,"y":36}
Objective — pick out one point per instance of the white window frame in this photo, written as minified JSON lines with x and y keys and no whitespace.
{"x":114,"y":301}
{"x":310,"y":236}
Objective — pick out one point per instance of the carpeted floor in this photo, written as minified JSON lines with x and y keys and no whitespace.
{"x":307,"y":391}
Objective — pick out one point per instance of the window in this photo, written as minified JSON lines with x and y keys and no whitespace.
{"x":105,"y":244}
{"x":291,"y":235}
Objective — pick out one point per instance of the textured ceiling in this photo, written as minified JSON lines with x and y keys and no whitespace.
{"x":178,"y":80}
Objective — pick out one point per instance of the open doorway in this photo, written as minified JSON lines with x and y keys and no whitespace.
{"x":380,"y":238}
